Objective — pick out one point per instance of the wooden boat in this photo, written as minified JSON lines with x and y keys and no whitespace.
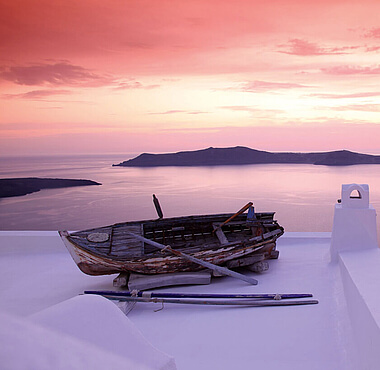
{"x":116,"y":249}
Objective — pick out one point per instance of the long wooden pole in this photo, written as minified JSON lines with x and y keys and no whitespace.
{"x":220,"y":302}
{"x":235,"y":215}
{"x":260,"y":296}
{"x":211,"y":266}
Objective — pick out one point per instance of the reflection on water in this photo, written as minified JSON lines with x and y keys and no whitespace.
{"x":303,"y":196}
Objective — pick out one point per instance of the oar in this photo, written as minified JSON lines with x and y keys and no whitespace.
{"x":148,"y":294}
{"x":235,"y":215}
{"x":221,"y":302}
{"x":211,"y":266}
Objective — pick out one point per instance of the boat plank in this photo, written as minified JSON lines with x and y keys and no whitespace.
{"x":123,"y":244}
{"x":220,"y":234}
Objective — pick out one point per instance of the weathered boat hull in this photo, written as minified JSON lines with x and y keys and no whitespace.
{"x":130,"y":256}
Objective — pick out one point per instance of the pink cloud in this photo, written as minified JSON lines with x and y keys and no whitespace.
{"x":302,"y":47}
{"x":36,"y":94}
{"x":175,"y":111}
{"x":346,"y":96}
{"x":64,"y":74}
{"x":370,"y":49}
{"x":264,"y":86}
{"x":238,"y":108}
{"x":351,"y":70}
{"x":306,"y":48}
{"x":195,"y":112}
{"x":126,"y":85}
{"x":52,"y":108}
{"x":359,"y":107}
{"x":133,"y":84}
{"x":242,"y":108}
{"x":61,"y":73}
{"x":373,"y":33}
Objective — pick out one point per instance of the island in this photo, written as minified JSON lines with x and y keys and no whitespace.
{"x":12,"y":187}
{"x":240,"y":155}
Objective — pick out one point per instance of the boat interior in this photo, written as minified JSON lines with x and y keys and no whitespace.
{"x":188,"y":234}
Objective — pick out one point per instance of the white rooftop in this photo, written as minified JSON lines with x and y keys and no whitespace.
{"x":40,"y":288}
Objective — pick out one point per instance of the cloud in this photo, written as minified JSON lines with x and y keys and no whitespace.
{"x":197,"y":112}
{"x":175,"y":111}
{"x":56,"y":74}
{"x":373,"y":33}
{"x":238,"y":108}
{"x":301,"y":47}
{"x":352,"y":70}
{"x":359,"y":107}
{"x":52,"y":107}
{"x":370,"y":49}
{"x":264,"y":86}
{"x":133,"y":84}
{"x":307,"y":48}
{"x":265,"y":116}
{"x":345,"y":96}
{"x":250,"y":109}
{"x":63,"y":74}
{"x":36,"y":94}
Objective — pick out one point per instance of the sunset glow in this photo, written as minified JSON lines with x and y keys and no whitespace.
{"x":154,"y":76}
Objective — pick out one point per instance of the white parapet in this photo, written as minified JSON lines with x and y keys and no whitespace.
{"x":354,"y":226}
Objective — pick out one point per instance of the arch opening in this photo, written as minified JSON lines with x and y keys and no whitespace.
{"x":355,"y":194}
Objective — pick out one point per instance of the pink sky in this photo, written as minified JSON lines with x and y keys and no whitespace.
{"x":94,"y":76}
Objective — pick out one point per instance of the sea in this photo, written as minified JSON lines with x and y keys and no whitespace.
{"x":303,"y":196}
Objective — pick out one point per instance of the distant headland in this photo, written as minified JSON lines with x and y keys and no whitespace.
{"x":13,"y":187}
{"x":242,"y":155}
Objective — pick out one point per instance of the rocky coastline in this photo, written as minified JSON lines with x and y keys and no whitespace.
{"x":242,"y":156}
{"x":12,"y":187}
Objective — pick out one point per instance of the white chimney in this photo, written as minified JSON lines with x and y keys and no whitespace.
{"x":354,"y":226}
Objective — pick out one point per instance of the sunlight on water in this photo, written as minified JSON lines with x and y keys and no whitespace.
{"x":303,"y":196}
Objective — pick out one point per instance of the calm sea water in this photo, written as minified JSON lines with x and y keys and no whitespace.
{"x":303,"y":196}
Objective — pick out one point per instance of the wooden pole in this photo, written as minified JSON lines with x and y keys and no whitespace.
{"x":221,"y":270}
{"x":260,"y":296}
{"x":157,"y":206}
{"x":235,"y":215}
{"x":220,"y":302}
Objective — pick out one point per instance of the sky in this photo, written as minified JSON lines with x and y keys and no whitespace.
{"x":130,"y":76}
